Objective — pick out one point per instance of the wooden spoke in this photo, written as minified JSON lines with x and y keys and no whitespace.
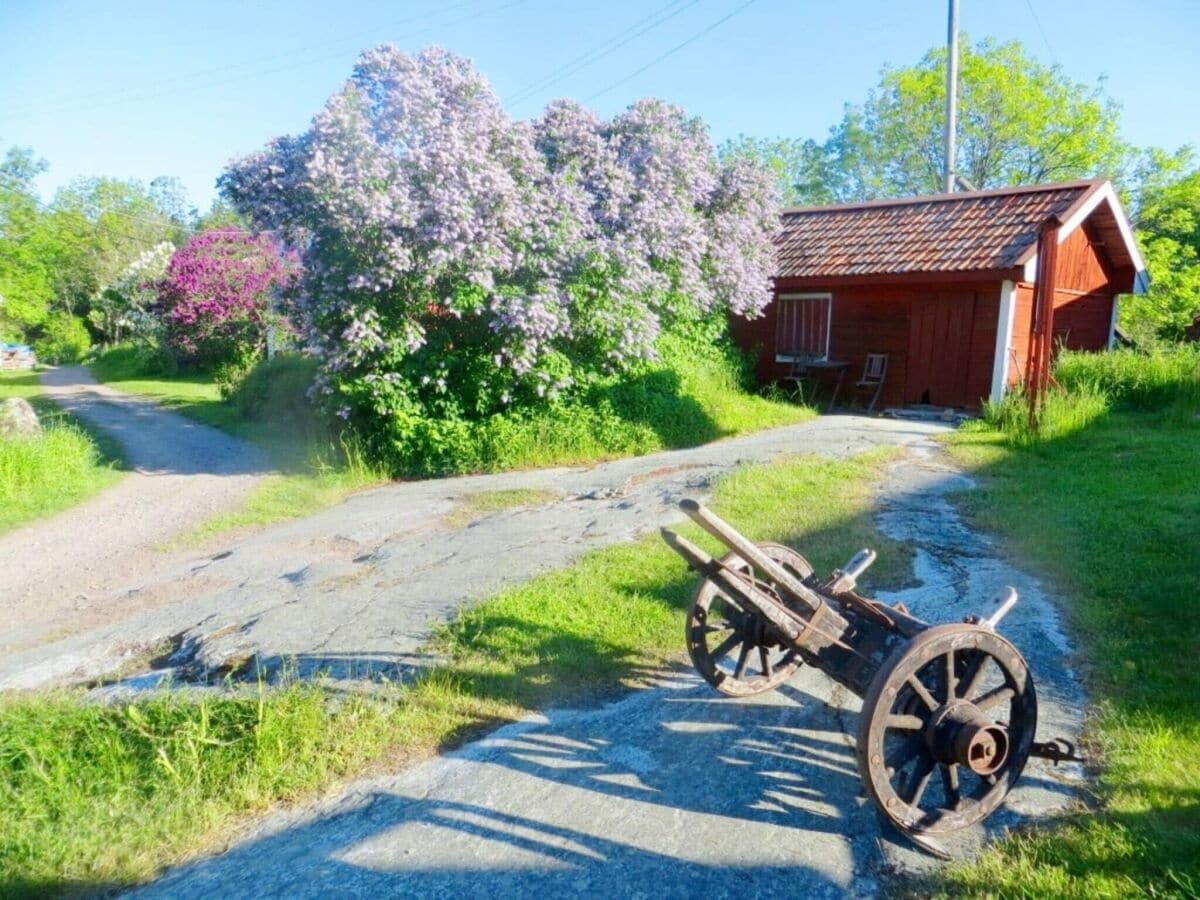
{"x":743,"y":658}
{"x":923,"y":692}
{"x":951,"y":684}
{"x":974,"y":673}
{"x":1002,"y":694}
{"x":899,"y":754}
{"x":726,"y":645}
{"x":950,"y":780}
{"x":920,"y":780}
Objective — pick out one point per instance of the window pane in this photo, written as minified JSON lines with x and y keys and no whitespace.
{"x":802,"y":327}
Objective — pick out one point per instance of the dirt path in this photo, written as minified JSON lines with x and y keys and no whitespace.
{"x":61,"y":572}
{"x":354,"y":589}
{"x":672,"y":791}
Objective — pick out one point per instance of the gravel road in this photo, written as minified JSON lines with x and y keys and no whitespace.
{"x":61,"y":573}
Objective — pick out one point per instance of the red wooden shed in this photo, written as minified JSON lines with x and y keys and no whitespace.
{"x":944,"y":286}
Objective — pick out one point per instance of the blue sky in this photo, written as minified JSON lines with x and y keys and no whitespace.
{"x":139,"y":89}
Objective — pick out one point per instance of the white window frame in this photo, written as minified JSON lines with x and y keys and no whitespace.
{"x":821,"y":295}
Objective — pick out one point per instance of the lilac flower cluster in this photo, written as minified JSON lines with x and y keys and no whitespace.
{"x":217,"y":292}
{"x":436,"y":232}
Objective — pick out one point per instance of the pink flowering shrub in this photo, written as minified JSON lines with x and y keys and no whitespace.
{"x":216,"y":296}
{"x":459,"y":264}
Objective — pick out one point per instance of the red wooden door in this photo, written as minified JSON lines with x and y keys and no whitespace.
{"x":939,"y":349}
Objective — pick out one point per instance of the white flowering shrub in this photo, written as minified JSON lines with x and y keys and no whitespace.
{"x":460,"y":264}
{"x":125,"y":308}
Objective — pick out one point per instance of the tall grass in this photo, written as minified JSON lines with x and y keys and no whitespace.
{"x":44,"y":473}
{"x":1091,"y":385}
{"x":694,"y":395}
{"x":1132,"y":379}
{"x":1062,"y":413}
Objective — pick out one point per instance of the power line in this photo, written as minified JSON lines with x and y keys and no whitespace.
{"x":695,"y":37}
{"x":259,"y":74}
{"x":111,"y":92}
{"x":602,"y":50}
{"x":1041,"y":30}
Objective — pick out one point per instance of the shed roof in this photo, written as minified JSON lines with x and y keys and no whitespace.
{"x":964,"y":232}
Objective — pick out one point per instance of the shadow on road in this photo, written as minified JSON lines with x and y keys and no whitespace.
{"x":671,"y":792}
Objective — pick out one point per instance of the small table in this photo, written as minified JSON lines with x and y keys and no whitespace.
{"x":803,"y":365}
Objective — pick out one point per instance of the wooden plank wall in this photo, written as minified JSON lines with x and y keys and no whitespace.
{"x":878,"y":319}
{"x":1083,"y":301}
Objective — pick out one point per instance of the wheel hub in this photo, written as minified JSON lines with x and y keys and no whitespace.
{"x":959,"y":733}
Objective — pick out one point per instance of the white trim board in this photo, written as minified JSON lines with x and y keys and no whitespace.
{"x":1004,"y":333}
{"x":1105,"y":192}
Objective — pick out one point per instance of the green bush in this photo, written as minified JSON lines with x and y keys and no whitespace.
{"x":64,"y":339}
{"x":277,"y":390}
{"x":133,"y":360}
{"x":696,"y":393}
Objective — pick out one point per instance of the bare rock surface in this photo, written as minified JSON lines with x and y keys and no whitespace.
{"x":60,"y":573}
{"x":672,"y":791}
{"x":353,"y":590}
{"x":18,"y":418}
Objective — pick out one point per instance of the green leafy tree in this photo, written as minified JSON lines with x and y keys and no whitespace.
{"x":26,"y":287}
{"x":221,"y":215}
{"x":99,"y":226}
{"x":1167,"y":212}
{"x":803,"y":169}
{"x":1019,"y":122}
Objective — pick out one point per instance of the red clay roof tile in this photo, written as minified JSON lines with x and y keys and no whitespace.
{"x":979,"y":230}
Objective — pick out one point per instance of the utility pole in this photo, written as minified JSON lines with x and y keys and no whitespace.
{"x":951,"y":93}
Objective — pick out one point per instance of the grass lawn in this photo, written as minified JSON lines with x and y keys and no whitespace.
{"x":61,"y":467}
{"x":104,"y":795}
{"x":1111,"y":516}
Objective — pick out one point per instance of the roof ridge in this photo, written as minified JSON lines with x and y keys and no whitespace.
{"x":1090,"y":184}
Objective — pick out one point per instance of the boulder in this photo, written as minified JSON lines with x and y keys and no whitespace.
{"x":17,"y":418}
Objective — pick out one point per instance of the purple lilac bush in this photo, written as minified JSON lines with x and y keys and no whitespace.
{"x":216,"y":296}
{"x":458,"y":263}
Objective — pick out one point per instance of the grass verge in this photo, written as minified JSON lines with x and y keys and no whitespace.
{"x":95,"y":796}
{"x":43,"y":474}
{"x":473,"y":506}
{"x":1108,"y":512}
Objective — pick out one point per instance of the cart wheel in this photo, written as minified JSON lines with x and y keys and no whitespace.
{"x":956,"y":702}
{"x":733,"y":648}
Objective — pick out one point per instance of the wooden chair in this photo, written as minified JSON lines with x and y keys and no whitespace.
{"x":874,"y":373}
{"x":798,"y":369}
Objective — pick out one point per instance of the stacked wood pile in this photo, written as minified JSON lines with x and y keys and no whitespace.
{"x":16,"y":356}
